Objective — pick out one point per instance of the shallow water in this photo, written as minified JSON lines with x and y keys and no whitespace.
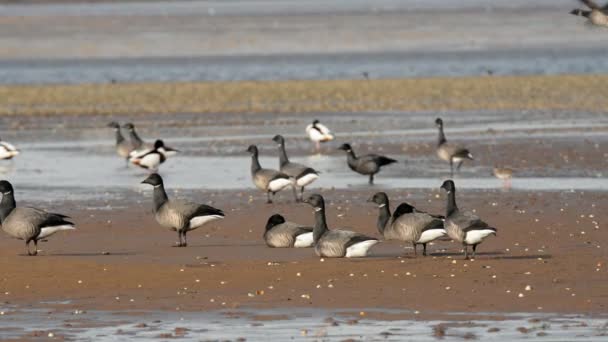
{"x":297,"y":324}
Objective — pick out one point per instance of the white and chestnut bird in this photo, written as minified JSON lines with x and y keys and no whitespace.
{"x":336,"y":243}
{"x":267,"y":180}
{"x":151,"y":159}
{"x":407,"y":223}
{"x":7,"y":150}
{"x":179,"y":215}
{"x":28,"y":224}
{"x":302,"y":175}
{"x":449,"y":152}
{"x":284,"y":234}
{"x":139,"y":146}
{"x":463,"y":227}
{"x":368,"y":164}
{"x":597,"y":15}
{"x":319,"y":133}
{"x":123,"y":146}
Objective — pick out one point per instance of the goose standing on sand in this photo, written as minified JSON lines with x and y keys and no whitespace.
{"x":407,"y":223}
{"x":29,"y":224}
{"x":597,"y":15}
{"x":123,"y":147}
{"x":283,"y":234}
{"x":463,"y":227}
{"x":318,"y":133}
{"x":368,"y":164}
{"x":270,"y":181}
{"x":7,"y":150}
{"x":450,"y":152}
{"x":179,"y":215}
{"x":152,"y":158}
{"x":336,"y":243}
{"x":302,"y":175}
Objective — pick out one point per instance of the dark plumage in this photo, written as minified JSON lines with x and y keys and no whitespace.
{"x":123,"y":147}
{"x":29,"y":224}
{"x":267,"y":180}
{"x":302,"y":175}
{"x":179,"y":215}
{"x":368,"y":164}
{"x":450,"y":152}
{"x":407,"y":223}
{"x":598,"y":15}
{"x":336,"y":243}
{"x":463,"y":227}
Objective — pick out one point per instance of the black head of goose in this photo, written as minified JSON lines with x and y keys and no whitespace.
{"x":463,"y":227}
{"x":301,"y":174}
{"x":450,"y":152}
{"x":368,"y":164}
{"x":336,"y":243}
{"x":407,"y":223}
{"x":7,"y":150}
{"x":136,"y":141}
{"x":280,"y":233}
{"x":28,"y":224}
{"x":270,"y":181}
{"x":179,"y":215}
{"x":152,"y":158}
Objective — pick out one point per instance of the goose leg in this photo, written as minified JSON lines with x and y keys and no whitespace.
{"x":35,"y":247}
{"x":295,"y":194}
{"x":466,"y":252}
{"x":474,"y":248}
{"x":268,"y":200}
{"x":424,"y":249}
{"x":301,"y":193}
{"x":371,"y":179}
{"x":27,"y":246}
{"x":185,"y":239}
{"x":179,"y":236}
{"x":415,"y":250}
{"x":458,"y":166}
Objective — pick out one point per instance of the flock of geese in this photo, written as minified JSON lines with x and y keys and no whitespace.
{"x":406,"y":223}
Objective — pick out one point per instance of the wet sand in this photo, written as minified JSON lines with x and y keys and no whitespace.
{"x":551,"y":241}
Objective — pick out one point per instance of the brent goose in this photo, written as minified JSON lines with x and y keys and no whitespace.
{"x":318,"y":133}
{"x":336,"y":243}
{"x":368,"y":164}
{"x":598,"y":15}
{"x":28,"y":224}
{"x":270,"y":181}
{"x":450,"y":152}
{"x":302,"y":175}
{"x":179,"y":215}
{"x":123,"y":147}
{"x":282,"y":234}
{"x":407,"y":223}
{"x":463,"y":227}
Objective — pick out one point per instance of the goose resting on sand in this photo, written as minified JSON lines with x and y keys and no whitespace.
{"x":282,"y":234}
{"x":28,"y":224}
{"x":336,"y":243}
{"x":179,"y":215}
{"x":407,"y":223}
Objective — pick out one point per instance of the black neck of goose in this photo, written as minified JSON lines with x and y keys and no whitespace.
{"x":255,"y":164}
{"x":160,"y":196}
{"x":320,"y":224}
{"x":441,"y":140}
{"x":7,"y":205}
{"x":282,"y":155}
{"x":451,"y":203}
{"x":119,"y":137}
{"x":384,"y":214}
{"x":135,"y":138}
{"x":350,"y":156}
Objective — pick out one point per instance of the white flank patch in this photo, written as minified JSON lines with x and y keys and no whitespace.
{"x":279,"y":184}
{"x":48,"y":231}
{"x":315,"y":135}
{"x":430,"y":235}
{"x":360,"y":249}
{"x":476,"y":236}
{"x":200,"y":221}
{"x":304,"y":240}
{"x":307,"y":179}
{"x":151,"y":161}
{"x":457,"y":159}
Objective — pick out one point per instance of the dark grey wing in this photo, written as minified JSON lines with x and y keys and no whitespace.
{"x":403,"y":208}
{"x":206,"y":210}
{"x":356,"y":238}
{"x":440,"y":217}
{"x":434,"y":224}
{"x":466,"y":220}
{"x":382,"y":160}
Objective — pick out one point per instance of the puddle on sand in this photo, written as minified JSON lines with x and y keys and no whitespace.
{"x":297,"y":324}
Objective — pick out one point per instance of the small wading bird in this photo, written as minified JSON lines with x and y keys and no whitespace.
{"x":368,"y":164}
{"x":505,"y":174}
{"x":450,"y":152}
{"x":28,"y":224}
{"x":597,"y":15}
{"x":179,"y":215}
{"x":463,"y":227}
{"x":318,"y":133}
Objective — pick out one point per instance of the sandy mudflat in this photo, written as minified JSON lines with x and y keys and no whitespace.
{"x":553,"y":242}
{"x":576,"y":92}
